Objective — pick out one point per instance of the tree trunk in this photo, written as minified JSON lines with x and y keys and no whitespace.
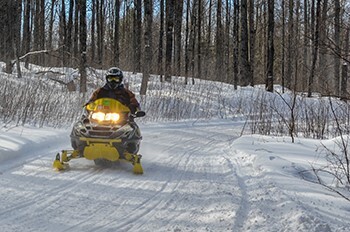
{"x":227,"y":55}
{"x":244,"y":57}
{"x":116,"y":34}
{"x":148,"y":4}
{"x":296,"y":46}
{"x":192,"y":38}
{"x":306,"y":46}
{"x":199,"y":42}
{"x":315,"y":47}
{"x":235,"y":42}
{"x":337,"y":47}
{"x":219,"y":45}
{"x":82,"y":40}
{"x":290,"y":48}
{"x":26,"y":31}
{"x":100,"y":32}
{"x":208,"y":71}
{"x":169,"y":38}
{"x":75,"y":46}
{"x":283,"y":45}
{"x":40,"y":24}
{"x":92,"y":33}
{"x":9,"y":17}
{"x":270,"y":46}
{"x":137,"y":35}
{"x":63,"y":33}
{"x":323,"y":87}
{"x":49,"y":43}
{"x":251,"y":40}
{"x":187,"y":59}
{"x":178,"y":35}
{"x":17,"y":35}
{"x":160,"y":42}
{"x":69,"y":40}
{"x":344,"y":79}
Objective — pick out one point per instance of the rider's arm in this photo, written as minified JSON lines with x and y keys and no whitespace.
{"x":134,"y":104}
{"x":94,"y":96}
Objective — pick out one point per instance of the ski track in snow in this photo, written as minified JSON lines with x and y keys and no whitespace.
{"x":194,"y":180}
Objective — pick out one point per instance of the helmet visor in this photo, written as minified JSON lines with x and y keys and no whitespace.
{"x":113,"y":78}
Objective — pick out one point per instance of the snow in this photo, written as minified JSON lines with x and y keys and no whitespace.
{"x":199,"y":176}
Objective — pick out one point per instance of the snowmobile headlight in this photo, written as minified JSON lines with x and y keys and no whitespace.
{"x":112,"y":117}
{"x":99,"y":116}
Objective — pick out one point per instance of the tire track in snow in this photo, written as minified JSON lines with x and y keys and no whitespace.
{"x":183,"y":168}
{"x":54,"y":193}
{"x":244,"y":206}
{"x":204,"y":142}
{"x":151,"y":206}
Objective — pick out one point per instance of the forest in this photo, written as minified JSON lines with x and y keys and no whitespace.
{"x":301,"y":45}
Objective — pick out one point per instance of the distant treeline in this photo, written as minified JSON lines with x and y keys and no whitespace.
{"x":302,"y":45}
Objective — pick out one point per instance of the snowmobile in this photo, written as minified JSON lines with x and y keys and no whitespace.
{"x":106,"y":133}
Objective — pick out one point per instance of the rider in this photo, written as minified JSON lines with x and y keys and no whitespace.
{"x":115,"y":89}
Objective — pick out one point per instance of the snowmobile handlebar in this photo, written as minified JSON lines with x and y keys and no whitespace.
{"x":138,"y":114}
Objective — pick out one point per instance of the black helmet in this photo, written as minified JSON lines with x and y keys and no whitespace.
{"x":114,"y":77}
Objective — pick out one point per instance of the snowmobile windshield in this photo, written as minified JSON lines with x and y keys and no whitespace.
{"x":107,"y":105}
{"x":107,"y":110}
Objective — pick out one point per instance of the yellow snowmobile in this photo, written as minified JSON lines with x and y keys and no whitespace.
{"x":106,"y":133}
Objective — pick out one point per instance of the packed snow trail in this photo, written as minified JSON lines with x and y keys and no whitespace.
{"x":188,"y":185}
{"x":198,"y":176}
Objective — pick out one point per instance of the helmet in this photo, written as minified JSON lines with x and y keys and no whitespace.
{"x":114,"y":77}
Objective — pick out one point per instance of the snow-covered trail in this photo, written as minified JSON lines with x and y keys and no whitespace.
{"x":199,"y":176}
{"x":189,"y":184}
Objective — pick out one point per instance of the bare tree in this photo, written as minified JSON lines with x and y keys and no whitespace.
{"x":52,"y":9}
{"x":290,"y":47}
{"x":251,"y":40}
{"x":148,"y":45}
{"x":323,"y":69}
{"x":160,"y":41}
{"x":187,"y":31}
{"x":221,"y":40}
{"x":193,"y":37}
{"x":245,"y":73}
{"x":199,"y":37}
{"x":306,"y":45}
{"x":219,"y":44}
{"x":235,"y":41}
{"x":270,"y":46}
{"x":100,"y":26}
{"x":137,"y":35}
{"x":178,"y":35}
{"x":10,"y":27}
{"x":337,"y":47}
{"x":315,"y":41}
{"x":344,"y":74}
{"x":93,"y":31}
{"x":116,"y":33}
{"x":68,"y":45}
{"x":169,"y":38}
{"x":26,"y":39}
{"x":82,"y":40}
{"x":39,"y":29}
